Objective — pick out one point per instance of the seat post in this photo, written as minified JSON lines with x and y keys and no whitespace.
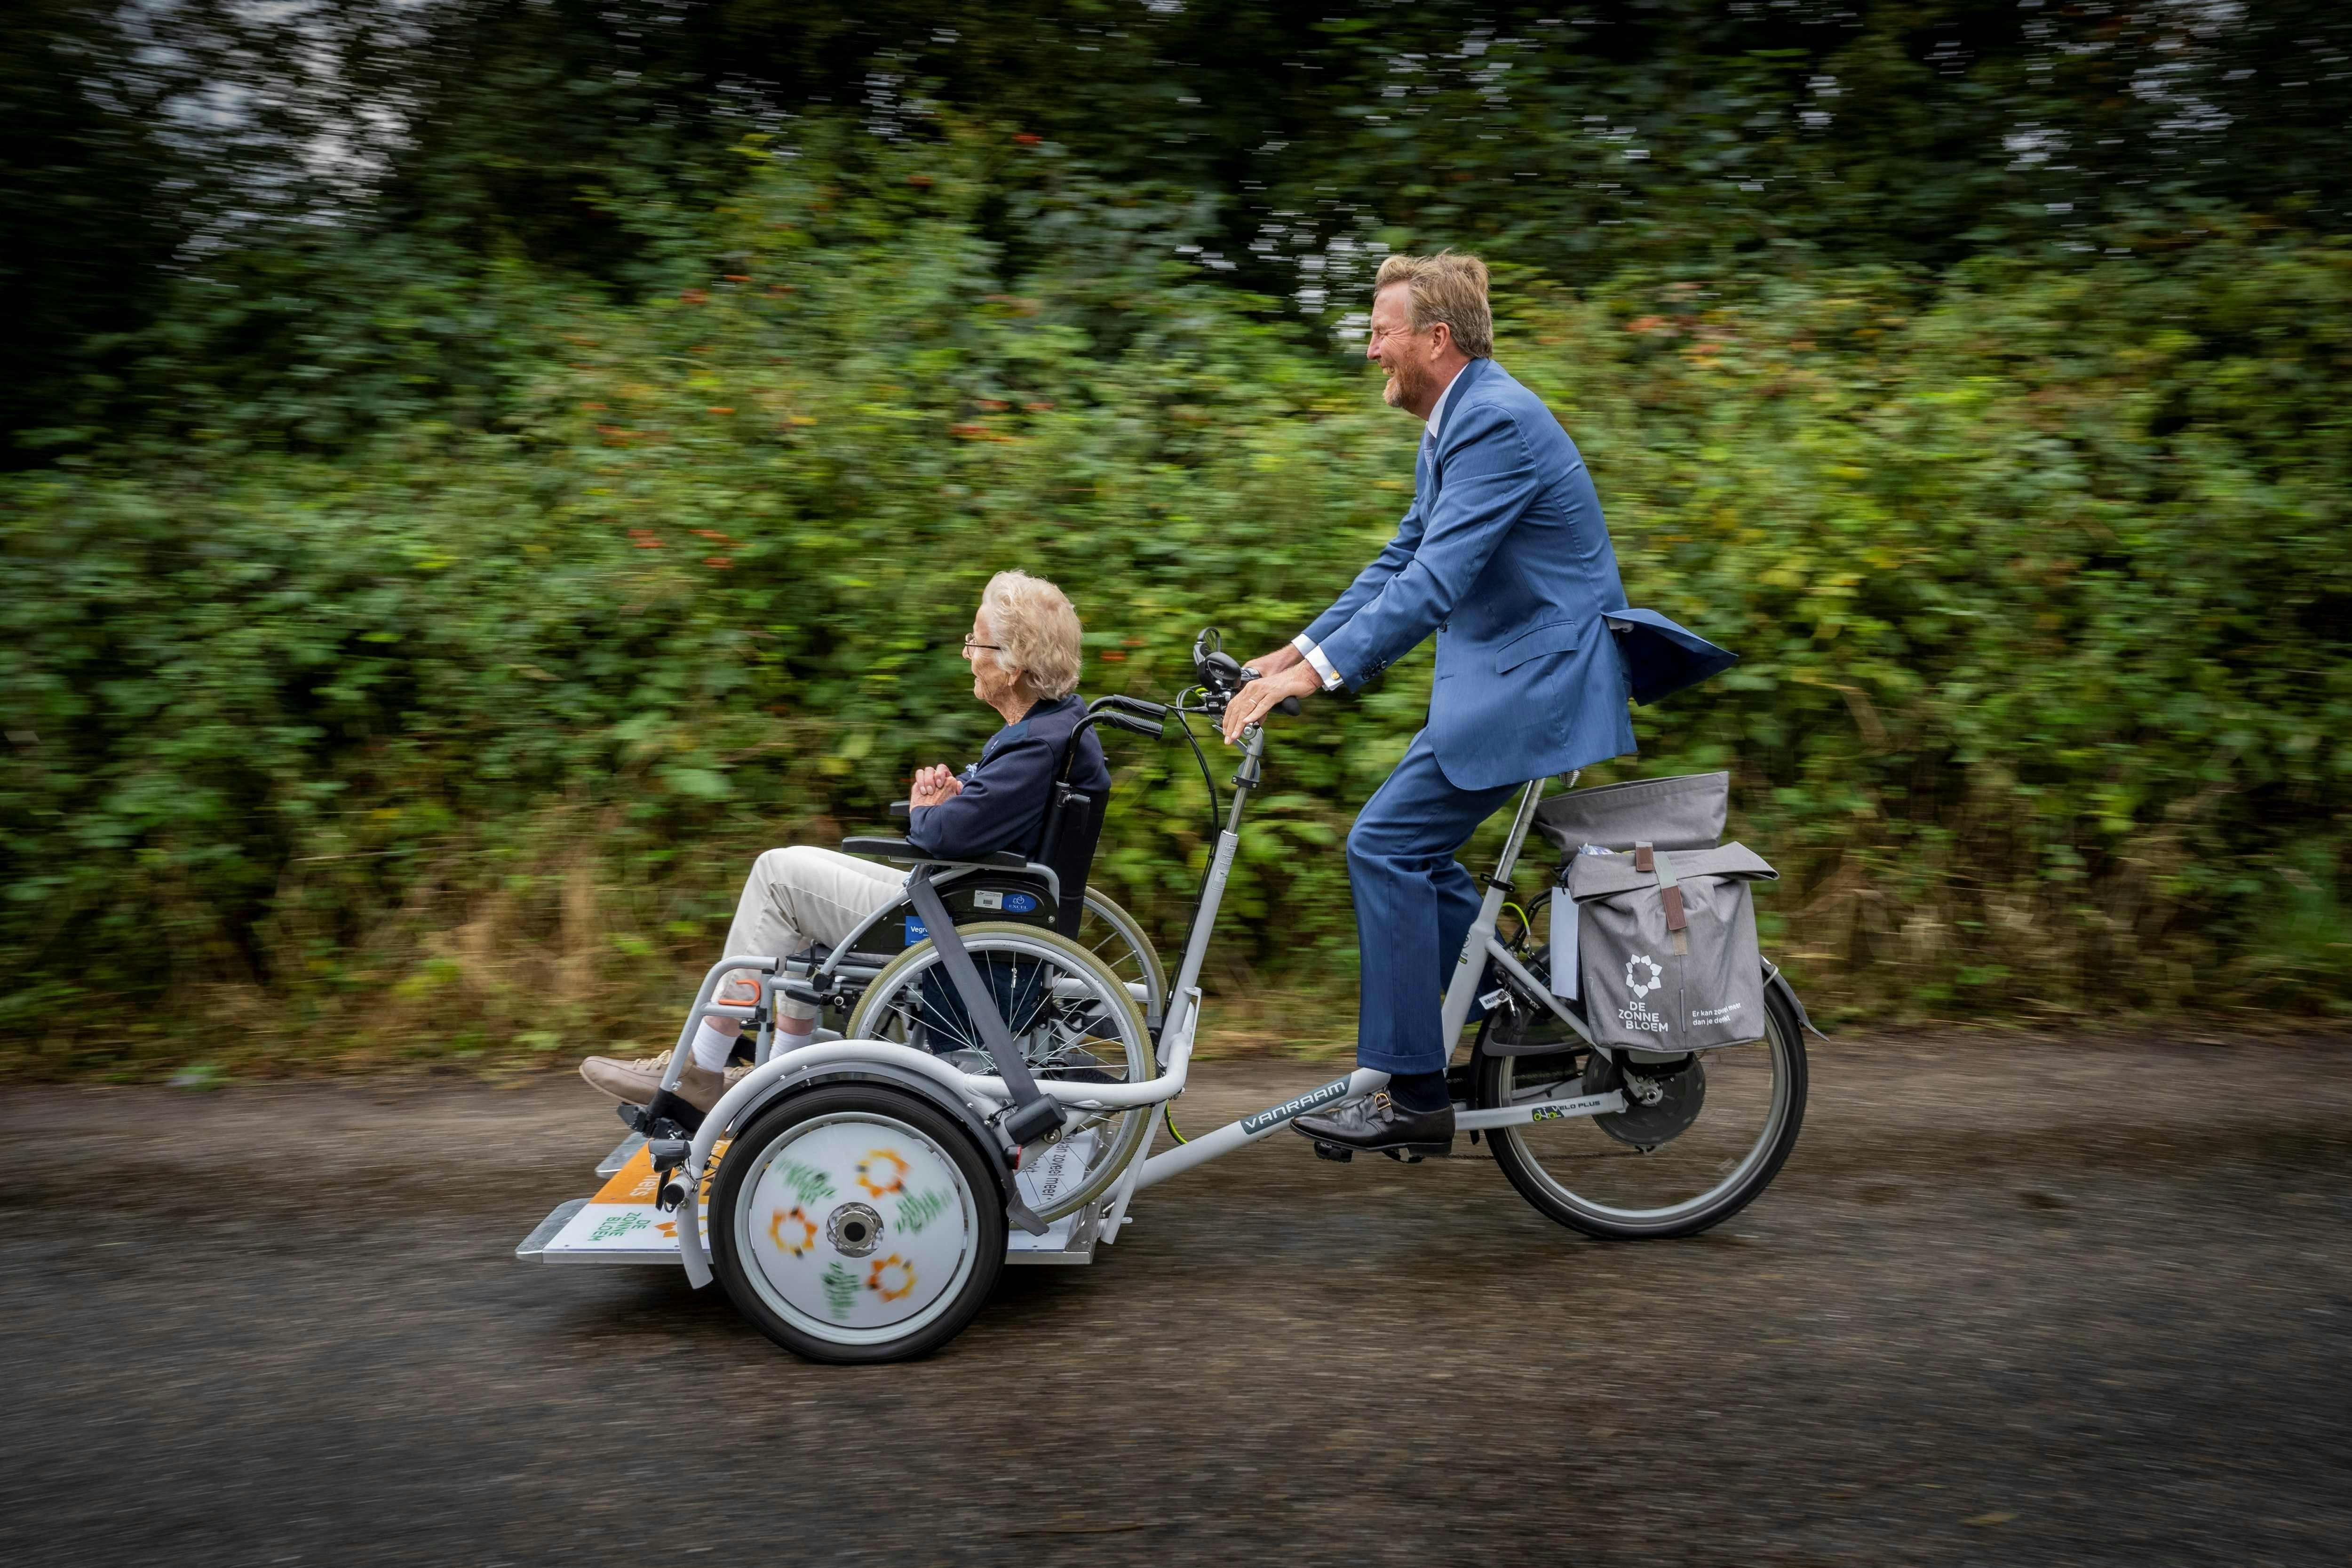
{"x":1462,"y":990}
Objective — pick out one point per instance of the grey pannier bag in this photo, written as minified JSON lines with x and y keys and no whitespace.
{"x":1682,"y":812}
{"x":1667,"y":943}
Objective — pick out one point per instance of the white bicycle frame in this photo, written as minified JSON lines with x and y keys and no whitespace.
{"x":988,"y":1096}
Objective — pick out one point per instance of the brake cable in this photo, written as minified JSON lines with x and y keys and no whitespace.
{"x":1198,"y":755}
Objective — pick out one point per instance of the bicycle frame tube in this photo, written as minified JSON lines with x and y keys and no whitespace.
{"x":1462,"y":991}
{"x":1185,"y":996}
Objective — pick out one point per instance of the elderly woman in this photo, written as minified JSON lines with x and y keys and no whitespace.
{"x":1024,"y":653}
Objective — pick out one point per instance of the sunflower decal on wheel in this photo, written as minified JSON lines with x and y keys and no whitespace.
{"x":1640,"y":989}
{"x":882,"y":1173}
{"x":891,"y":1278}
{"x":792,"y":1231}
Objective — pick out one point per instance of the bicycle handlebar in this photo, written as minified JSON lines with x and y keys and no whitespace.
{"x":1221,"y":675}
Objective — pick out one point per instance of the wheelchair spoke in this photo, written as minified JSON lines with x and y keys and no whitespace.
{"x":1024,"y":1018}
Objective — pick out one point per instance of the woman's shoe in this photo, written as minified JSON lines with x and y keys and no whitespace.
{"x":635,"y":1082}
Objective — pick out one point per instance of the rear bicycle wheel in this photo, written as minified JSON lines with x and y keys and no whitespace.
{"x":1701,"y":1136}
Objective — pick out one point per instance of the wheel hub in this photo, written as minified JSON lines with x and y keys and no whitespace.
{"x":855,"y":1229}
{"x":1661,"y":1103}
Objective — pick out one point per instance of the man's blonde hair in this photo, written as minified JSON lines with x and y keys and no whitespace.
{"x":1449,"y":287}
{"x":1037,"y":631}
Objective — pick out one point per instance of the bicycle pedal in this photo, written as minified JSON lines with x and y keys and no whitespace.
{"x":1333,"y":1151}
{"x":1414,"y":1153}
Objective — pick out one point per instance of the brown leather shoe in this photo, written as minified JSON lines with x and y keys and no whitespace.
{"x":636,"y":1081}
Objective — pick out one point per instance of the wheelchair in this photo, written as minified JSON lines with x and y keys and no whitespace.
{"x":1075,"y":976}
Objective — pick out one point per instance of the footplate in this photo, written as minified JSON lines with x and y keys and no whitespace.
{"x":620,"y":1224}
{"x":1069,"y":1239}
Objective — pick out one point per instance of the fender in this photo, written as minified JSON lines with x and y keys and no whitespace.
{"x":897,"y":1077}
{"x":1780,"y":981}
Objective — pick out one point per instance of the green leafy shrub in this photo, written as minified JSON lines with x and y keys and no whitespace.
{"x":467,"y":734}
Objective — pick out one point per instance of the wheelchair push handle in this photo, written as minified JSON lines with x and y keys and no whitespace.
{"x":1127,"y":721}
{"x":1132,"y":713}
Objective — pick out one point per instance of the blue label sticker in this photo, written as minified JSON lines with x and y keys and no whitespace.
{"x":915,"y":932}
{"x":1019,"y":903}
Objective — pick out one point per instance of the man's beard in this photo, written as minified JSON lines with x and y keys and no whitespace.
{"x":1405,"y":383}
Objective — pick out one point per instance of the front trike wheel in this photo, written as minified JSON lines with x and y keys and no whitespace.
{"x":856,"y":1223}
{"x":1716,"y":1130}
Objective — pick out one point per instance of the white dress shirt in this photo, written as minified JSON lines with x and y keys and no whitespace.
{"x":1305,"y":645}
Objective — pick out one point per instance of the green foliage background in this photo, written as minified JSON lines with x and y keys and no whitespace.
{"x":412,"y":624}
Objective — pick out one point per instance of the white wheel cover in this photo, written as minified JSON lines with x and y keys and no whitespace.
{"x":858,"y":1228}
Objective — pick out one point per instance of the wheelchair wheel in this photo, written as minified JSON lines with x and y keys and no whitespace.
{"x":856,"y":1223}
{"x":1113,"y":936}
{"x":1707,"y":1134}
{"x":1073,"y":1019}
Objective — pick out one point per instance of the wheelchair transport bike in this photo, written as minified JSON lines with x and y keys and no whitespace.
{"x":1010,"y":1044}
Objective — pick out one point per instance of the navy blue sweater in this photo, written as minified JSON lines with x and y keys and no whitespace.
{"x":1005,"y":794}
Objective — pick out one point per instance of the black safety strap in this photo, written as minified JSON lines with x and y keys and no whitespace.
{"x":1033,"y":1114}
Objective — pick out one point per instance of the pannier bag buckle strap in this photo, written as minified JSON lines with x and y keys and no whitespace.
{"x":1670,"y":893}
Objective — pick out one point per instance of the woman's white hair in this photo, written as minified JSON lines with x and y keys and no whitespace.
{"x":1037,"y":631}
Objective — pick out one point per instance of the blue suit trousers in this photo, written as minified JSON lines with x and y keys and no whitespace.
{"x":1414,"y":904}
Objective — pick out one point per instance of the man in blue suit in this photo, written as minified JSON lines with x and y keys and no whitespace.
{"x":1504,"y":556}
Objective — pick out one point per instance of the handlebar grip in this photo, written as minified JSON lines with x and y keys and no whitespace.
{"x":1155,"y":712}
{"x":1289,"y":705}
{"x":1129,"y":722}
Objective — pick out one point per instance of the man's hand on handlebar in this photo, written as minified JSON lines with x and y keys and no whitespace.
{"x":1277,"y":661}
{"x":1257,"y":698}
{"x":933,"y":786}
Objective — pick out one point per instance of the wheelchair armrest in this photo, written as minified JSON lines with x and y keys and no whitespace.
{"x":900,"y":811}
{"x":902,"y":849}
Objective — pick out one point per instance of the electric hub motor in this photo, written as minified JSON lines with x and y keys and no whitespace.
{"x":1662,"y":1101}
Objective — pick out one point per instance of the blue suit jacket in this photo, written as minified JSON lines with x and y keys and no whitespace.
{"x":1504,"y":556}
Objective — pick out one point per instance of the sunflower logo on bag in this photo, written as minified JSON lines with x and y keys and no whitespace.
{"x":1640,"y":989}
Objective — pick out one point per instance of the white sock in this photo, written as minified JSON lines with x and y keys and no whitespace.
{"x":712,"y":1049}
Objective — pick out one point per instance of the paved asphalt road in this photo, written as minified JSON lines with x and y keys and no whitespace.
{"x":2009,"y":1303}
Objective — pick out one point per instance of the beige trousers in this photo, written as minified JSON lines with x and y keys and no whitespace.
{"x":802,"y":895}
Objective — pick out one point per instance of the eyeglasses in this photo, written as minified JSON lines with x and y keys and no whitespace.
{"x":987,"y":646}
